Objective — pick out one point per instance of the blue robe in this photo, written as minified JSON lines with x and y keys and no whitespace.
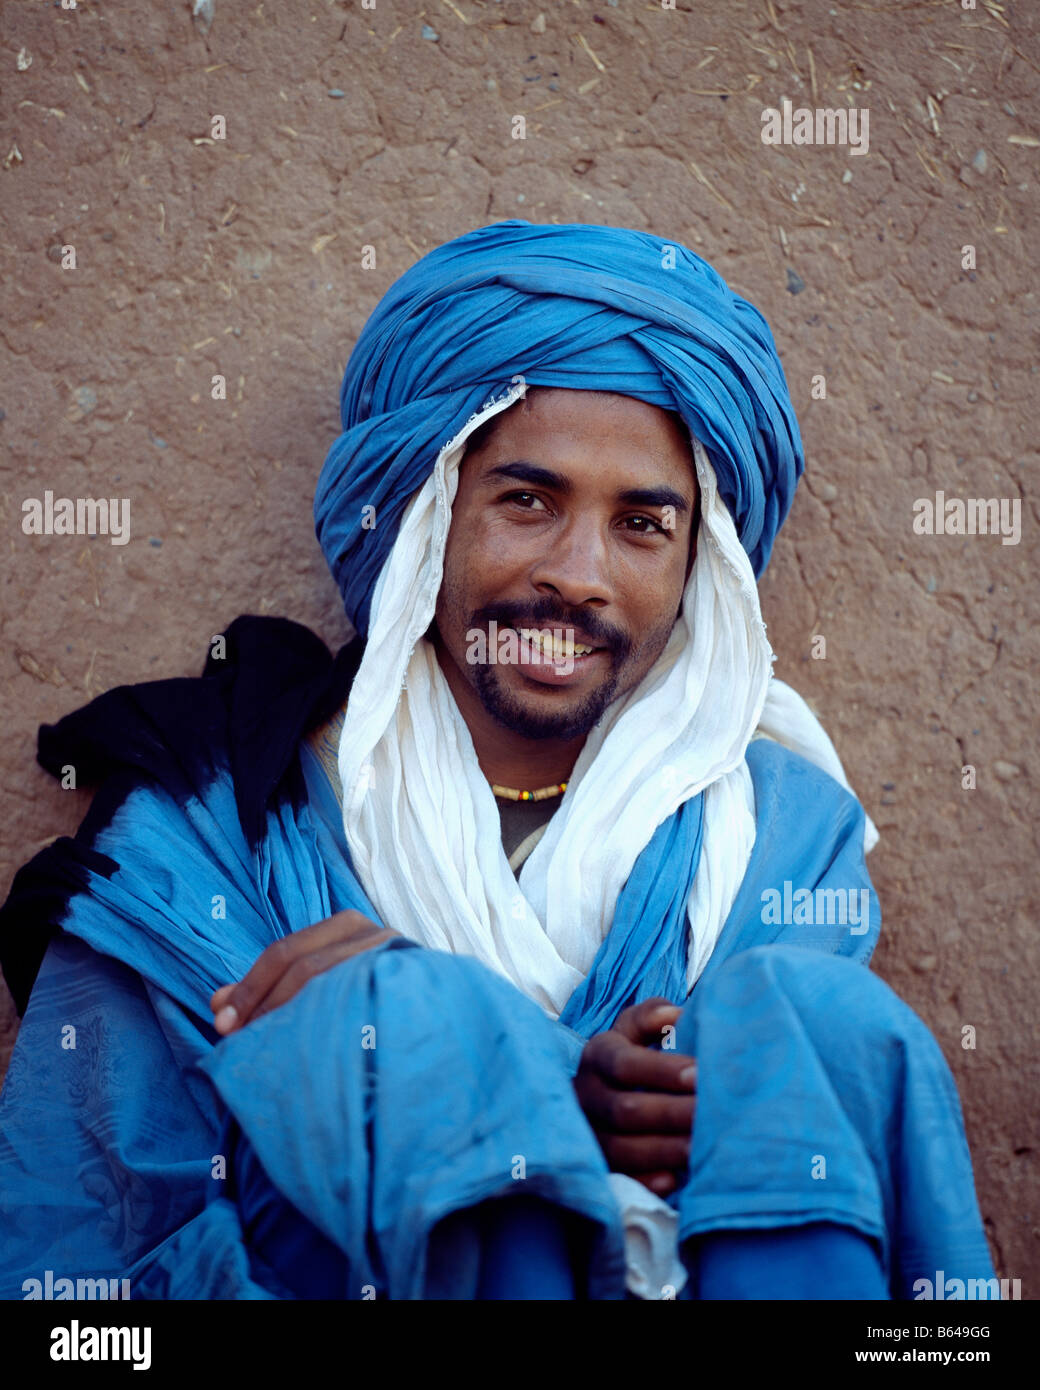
{"x":360,"y":1140}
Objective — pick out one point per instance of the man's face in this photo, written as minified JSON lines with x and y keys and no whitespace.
{"x":574,"y":513}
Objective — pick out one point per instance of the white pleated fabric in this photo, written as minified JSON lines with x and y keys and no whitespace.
{"x":411,"y":780}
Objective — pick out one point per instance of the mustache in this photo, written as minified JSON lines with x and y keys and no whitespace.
{"x":546,"y":613}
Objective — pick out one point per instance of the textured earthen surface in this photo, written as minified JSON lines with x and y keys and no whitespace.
{"x":244,"y":257}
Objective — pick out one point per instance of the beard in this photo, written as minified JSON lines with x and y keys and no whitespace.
{"x":571,"y":716}
{"x":573,"y":721}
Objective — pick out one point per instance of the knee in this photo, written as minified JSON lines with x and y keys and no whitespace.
{"x":460,"y":987}
{"x":837,"y":1001}
{"x":434,"y":1004}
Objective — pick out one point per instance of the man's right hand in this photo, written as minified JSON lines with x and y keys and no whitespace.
{"x":284,"y":968}
{"x":642,"y":1132}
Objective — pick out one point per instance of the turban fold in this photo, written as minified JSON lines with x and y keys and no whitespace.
{"x":589,"y":308}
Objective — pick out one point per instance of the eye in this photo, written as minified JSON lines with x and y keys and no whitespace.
{"x":513,"y":496}
{"x":642,"y":531}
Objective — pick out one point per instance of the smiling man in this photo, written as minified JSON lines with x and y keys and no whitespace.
{"x":440,"y":969}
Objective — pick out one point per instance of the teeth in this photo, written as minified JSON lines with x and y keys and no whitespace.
{"x":560,"y":649}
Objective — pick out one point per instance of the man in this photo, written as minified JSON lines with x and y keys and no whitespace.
{"x":518,"y":951}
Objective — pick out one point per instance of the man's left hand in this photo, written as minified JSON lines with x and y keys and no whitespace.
{"x":640,"y":1102}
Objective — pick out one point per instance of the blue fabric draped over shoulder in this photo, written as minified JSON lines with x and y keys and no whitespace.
{"x":578,"y":306}
{"x":136,"y":1151}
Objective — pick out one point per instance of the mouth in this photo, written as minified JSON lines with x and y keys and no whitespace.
{"x":556,"y":644}
{"x":555,"y":656}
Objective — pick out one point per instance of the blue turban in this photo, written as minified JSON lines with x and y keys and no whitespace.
{"x":586,"y":307}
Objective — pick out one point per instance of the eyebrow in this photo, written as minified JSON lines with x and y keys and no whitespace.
{"x":523,"y":472}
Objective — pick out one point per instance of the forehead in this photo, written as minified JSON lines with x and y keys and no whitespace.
{"x":546,"y":412}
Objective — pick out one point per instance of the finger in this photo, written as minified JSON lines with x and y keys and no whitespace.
{"x":272,"y":964}
{"x":645,"y":1154}
{"x":634,"y":1112}
{"x":627,"y":1065}
{"x":662,"y":1184}
{"x":649,"y":1112}
{"x":219,"y":995}
{"x":307,"y":967}
{"x":645,"y":1023}
{"x":317,"y":963}
{"x":243,"y":996}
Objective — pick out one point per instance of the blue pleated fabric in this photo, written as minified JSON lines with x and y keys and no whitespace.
{"x":583,"y":307}
{"x":360,"y":1141}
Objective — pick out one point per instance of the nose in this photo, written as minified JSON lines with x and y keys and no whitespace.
{"x":576,"y":565}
